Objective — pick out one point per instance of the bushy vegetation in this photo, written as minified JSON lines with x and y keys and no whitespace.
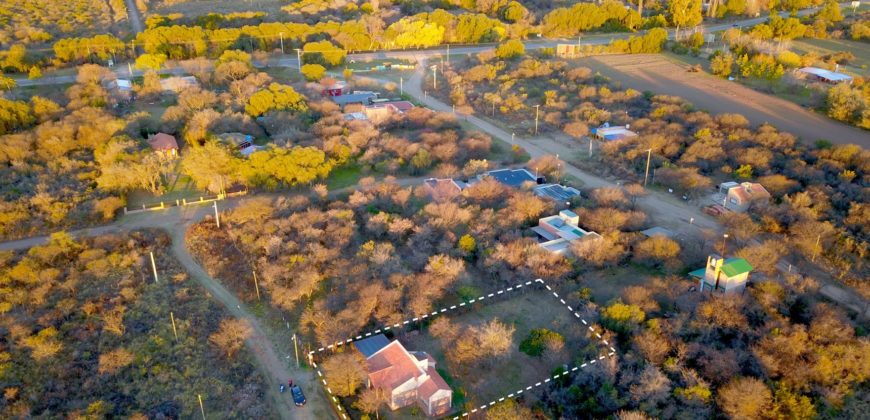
{"x":539,"y":340}
{"x":816,"y":190}
{"x":87,"y":333}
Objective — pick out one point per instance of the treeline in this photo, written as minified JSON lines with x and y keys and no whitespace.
{"x":88,"y":334}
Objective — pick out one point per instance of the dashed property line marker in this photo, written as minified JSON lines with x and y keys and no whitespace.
{"x":482,"y":297}
{"x":424,"y":316}
{"x":520,"y":391}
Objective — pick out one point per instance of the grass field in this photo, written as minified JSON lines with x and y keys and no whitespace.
{"x":860,"y":50}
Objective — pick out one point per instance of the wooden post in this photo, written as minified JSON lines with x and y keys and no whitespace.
{"x":154,"y":268}
{"x":256,"y":286}
{"x":201,"y":408}
{"x":174,"y":330}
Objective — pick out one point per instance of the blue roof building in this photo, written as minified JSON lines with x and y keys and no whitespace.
{"x":371,"y":345}
{"x":514,"y":177}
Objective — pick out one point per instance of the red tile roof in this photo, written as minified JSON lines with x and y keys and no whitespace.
{"x":163,"y":141}
{"x":392,"y":366}
{"x":432,"y":385}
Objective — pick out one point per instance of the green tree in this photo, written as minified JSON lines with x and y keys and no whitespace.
{"x":722,"y":64}
{"x":830,"y":12}
{"x":14,"y":115}
{"x":844,"y":103}
{"x":211,"y":166}
{"x":410,"y":33}
{"x":313,"y":72}
{"x":467,"y":244}
{"x":621,"y":317}
{"x":684,"y":13}
{"x":150,"y":61}
{"x":510,"y":49}
{"x":538,"y":340}
{"x":514,"y":12}
{"x":323,"y":52}
{"x":744,"y":171}
{"x":277,"y":97}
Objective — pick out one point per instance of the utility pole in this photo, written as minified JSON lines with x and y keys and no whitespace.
{"x":282,"y":42}
{"x":256,"y":286}
{"x":174,"y":330}
{"x":296,"y":350}
{"x":724,"y":238}
{"x":299,"y":60}
{"x":201,"y":408}
{"x":448,"y":52}
{"x":590,"y":146}
{"x":130,"y":69}
{"x":816,"y":248}
{"x":217,"y":216}
{"x":435,"y":77}
{"x":401,"y":86}
{"x":512,"y":137}
{"x":537,"y":109}
{"x":154,"y":268}
{"x":646,"y":174}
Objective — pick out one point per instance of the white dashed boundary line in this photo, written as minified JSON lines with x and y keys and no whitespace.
{"x":444,"y":310}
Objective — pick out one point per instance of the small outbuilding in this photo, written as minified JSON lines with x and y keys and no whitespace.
{"x":723,"y":274}
{"x":608,"y":133}
{"x":826,"y":76}
{"x":164,"y":145}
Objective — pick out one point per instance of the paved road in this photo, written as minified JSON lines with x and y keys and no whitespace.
{"x":134,"y":16}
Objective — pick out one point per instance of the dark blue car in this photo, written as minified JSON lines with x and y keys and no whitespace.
{"x":298,"y":396}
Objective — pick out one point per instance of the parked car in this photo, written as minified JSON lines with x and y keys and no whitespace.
{"x":298,"y":396}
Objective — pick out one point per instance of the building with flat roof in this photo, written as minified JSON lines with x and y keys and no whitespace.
{"x":826,"y":76}
{"x":560,"y":230}
{"x":723,"y":274}
{"x":556,"y":192}
{"x":364,"y":98}
{"x":608,"y":133}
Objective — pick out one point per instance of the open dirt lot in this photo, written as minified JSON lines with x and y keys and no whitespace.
{"x":658,"y":74}
{"x":526,"y":311}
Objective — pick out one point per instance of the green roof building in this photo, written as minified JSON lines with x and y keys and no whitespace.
{"x":723,"y":274}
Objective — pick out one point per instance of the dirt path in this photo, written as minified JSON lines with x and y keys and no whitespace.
{"x":134,"y":16}
{"x":662,"y":209}
{"x":659,"y":74}
{"x":274,"y":368}
{"x":665,"y":210}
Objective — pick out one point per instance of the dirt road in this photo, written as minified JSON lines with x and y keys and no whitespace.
{"x":273,"y":367}
{"x":134,"y":16}
{"x":662,"y":209}
{"x":657,"y":73}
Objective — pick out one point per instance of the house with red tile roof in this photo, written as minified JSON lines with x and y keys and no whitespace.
{"x":738,"y":197}
{"x":164,"y":145}
{"x":407,"y":377}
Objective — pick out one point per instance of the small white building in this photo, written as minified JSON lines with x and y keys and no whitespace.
{"x":560,"y":230}
{"x":826,"y":76}
{"x":608,"y":133}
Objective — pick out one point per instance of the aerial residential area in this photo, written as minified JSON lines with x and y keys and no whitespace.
{"x":446,"y":209}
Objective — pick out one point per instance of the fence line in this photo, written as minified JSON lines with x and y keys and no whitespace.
{"x":163,"y":205}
